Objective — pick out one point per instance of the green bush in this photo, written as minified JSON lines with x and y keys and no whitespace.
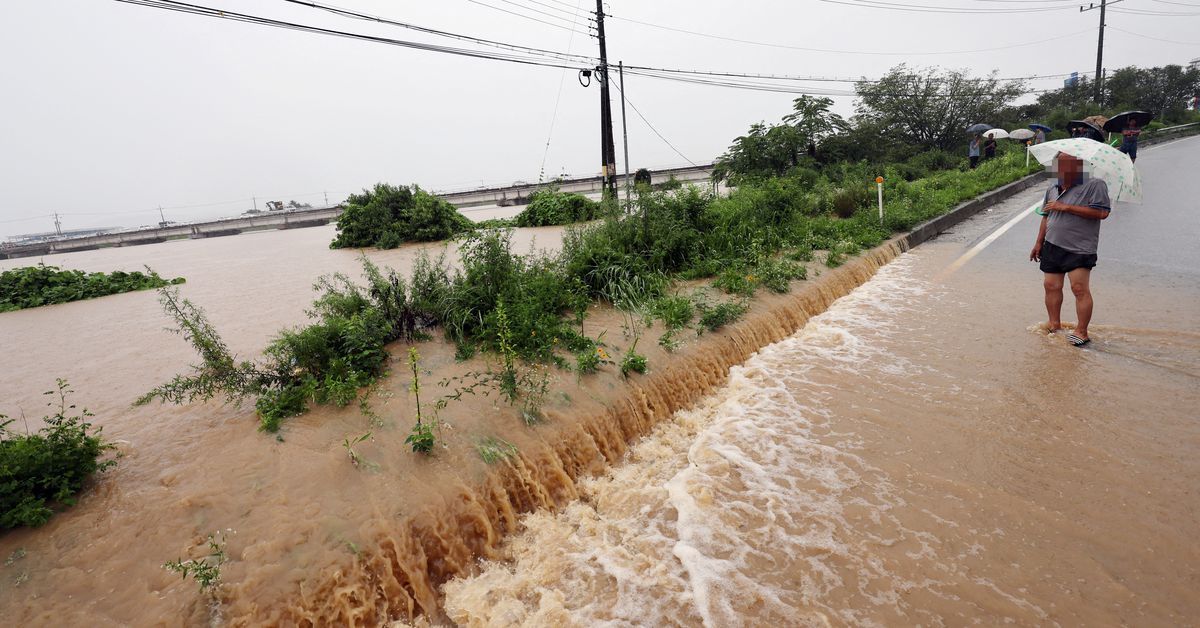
{"x":675,"y":311}
{"x":49,"y":467}
{"x":388,"y":216}
{"x":717,"y":316}
{"x":549,"y":206}
{"x":34,"y":286}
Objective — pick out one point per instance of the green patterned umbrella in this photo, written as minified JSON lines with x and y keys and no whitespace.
{"x":1104,"y":162}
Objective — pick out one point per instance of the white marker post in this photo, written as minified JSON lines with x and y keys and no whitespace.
{"x":1028,"y":143}
{"x":879,"y":189}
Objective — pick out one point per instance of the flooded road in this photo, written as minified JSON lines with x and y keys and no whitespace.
{"x":919,"y":454}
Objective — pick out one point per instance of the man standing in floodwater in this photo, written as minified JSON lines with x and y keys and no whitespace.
{"x":1067,"y":241}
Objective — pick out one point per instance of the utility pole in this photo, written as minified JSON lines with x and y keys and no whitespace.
{"x":1099,"y":80}
{"x":57,"y":225}
{"x":607,"y":149}
{"x":161,"y":216}
{"x":327,"y":199}
{"x":624,"y":131}
{"x":255,"y":200}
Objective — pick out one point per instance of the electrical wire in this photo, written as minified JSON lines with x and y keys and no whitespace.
{"x":1169,"y":41}
{"x":432,"y":31}
{"x":194,"y":9}
{"x":1153,"y":13}
{"x":837,"y":51}
{"x":528,"y":17}
{"x":924,"y":8}
{"x":554,"y":117}
{"x":651,"y":126}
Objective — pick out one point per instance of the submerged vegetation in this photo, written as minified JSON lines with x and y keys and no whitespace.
{"x":34,"y":286}
{"x":527,"y":312}
{"x":47,"y":468}
{"x":388,"y":216}
{"x":549,"y":206}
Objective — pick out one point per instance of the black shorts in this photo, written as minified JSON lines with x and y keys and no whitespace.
{"x":1057,"y":260}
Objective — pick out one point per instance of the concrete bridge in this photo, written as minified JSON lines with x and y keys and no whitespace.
{"x":295,"y":219}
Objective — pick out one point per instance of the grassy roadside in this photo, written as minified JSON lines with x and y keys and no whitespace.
{"x":529,"y":310}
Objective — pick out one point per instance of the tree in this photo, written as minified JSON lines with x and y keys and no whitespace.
{"x":768,"y":151}
{"x":933,"y":107}
{"x":812,"y":118}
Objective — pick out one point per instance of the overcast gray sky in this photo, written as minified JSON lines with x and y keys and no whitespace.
{"x":110,"y":110}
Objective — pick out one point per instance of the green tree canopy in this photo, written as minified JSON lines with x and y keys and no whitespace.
{"x":931,"y":106}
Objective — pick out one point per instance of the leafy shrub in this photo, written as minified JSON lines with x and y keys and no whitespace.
{"x":388,"y":216}
{"x":717,"y":316}
{"x":674,"y":311}
{"x":34,"y":286}
{"x":737,"y":281}
{"x":49,"y":467}
{"x":548,"y":206}
{"x":633,"y":362}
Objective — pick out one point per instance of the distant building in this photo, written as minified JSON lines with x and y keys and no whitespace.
{"x":1071,"y":81}
{"x":1194,"y":64}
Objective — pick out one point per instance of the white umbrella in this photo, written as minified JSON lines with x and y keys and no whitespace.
{"x":1104,"y":162}
{"x":1021,"y":134}
{"x":996,"y":134}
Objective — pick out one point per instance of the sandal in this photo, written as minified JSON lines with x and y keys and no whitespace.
{"x":1076,"y":341}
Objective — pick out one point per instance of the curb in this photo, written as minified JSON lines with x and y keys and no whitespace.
{"x":930,"y":229}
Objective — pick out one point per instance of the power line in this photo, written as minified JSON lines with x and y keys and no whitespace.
{"x":651,"y":126}
{"x":1169,"y":41}
{"x":432,"y":31}
{"x":557,"y":100}
{"x":837,"y":51}
{"x":924,"y":8}
{"x":522,"y":15}
{"x":205,"y":11}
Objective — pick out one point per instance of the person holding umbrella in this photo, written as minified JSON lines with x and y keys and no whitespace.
{"x":1040,"y":131}
{"x":973,"y":151}
{"x":989,"y":147}
{"x":1129,"y":124}
{"x":1091,"y":176}
{"x":1067,"y":242}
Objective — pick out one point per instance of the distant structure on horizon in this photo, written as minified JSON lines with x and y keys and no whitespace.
{"x":1071,"y":81}
{"x":29,"y":238}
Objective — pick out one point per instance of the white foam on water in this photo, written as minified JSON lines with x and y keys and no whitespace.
{"x":748,"y":509}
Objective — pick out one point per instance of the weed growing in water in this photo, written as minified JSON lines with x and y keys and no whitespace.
{"x":493,"y":450}
{"x":349,"y":444}
{"x":50,"y":466}
{"x":206,"y":571}
{"x":421,"y":438}
{"x":714,"y":317}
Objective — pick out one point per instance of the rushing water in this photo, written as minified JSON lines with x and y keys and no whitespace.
{"x":919,"y":454}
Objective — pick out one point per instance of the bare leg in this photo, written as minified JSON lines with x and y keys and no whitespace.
{"x":1053,"y":284}
{"x":1082,"y":289}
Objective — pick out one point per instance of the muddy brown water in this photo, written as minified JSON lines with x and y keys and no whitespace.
{"x":917,"y":454}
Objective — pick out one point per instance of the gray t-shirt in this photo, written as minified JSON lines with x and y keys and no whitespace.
{"x":1076,"y":233}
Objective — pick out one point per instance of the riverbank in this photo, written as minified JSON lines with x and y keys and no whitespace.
{"x":319,"y":538}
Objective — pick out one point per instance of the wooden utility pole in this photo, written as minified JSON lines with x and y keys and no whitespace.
{"x":1099,"y":80}
{"x":607,"y":147}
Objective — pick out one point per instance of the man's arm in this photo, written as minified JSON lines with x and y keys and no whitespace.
{"x":1035,"y":255}
{"x":1078,"y":210}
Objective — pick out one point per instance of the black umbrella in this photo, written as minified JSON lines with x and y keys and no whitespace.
{"x":978,"y":128}
{"x":1117,"y":123}
{"x":1089,"y":129}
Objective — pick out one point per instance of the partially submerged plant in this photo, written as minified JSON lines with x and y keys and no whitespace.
{"x":349,"y":444}
{"x":206,"y":570}
{"x":493,"y":450}
{"x":421,"y":439}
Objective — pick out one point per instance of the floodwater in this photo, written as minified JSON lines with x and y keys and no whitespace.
{"x":920,"y":454}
